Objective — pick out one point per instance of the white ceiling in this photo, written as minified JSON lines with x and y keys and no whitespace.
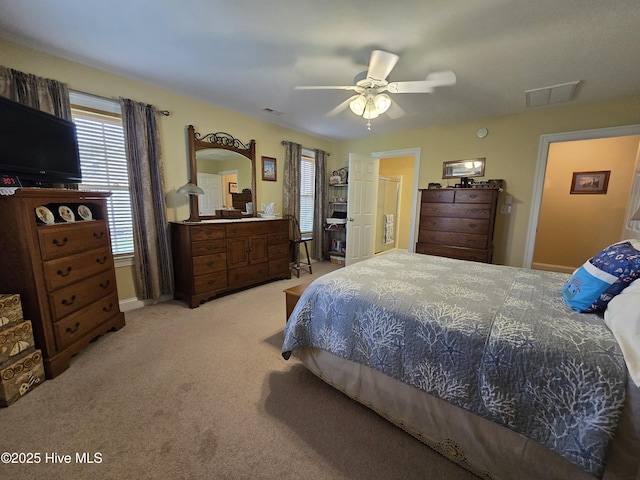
{"x":247,"y":55}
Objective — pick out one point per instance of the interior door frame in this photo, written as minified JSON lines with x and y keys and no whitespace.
{"x":415,"y":153}
{"x":541,"y":169}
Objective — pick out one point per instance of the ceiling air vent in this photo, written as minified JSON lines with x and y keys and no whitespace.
{"x":564,"y":92}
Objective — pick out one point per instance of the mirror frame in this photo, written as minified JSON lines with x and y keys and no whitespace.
{"x":462,"y":171}
{"x":216,"y":140}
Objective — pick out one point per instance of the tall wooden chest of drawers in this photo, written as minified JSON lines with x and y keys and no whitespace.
{"x":458,"y":223}
{"x":212,"y":258}
{"x":61,"y":265}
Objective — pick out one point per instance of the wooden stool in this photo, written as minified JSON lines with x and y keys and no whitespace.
{"x":292,"y":295}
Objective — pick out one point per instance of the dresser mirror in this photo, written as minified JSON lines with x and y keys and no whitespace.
{"x":214,"y":153}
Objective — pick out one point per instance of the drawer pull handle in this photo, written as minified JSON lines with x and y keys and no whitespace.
{"x":210,"y":264}
{"x":60,"y":244}
{"x":105,"y":285}
{"x":74,"y":329}
{"x":107,"y":309}
{"x":67,"y":303}
{"x":63,"y":273}
{"x":102,"y":260}
{"x":98,"y":235}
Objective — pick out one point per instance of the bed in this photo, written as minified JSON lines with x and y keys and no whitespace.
{"x":484,"y":363}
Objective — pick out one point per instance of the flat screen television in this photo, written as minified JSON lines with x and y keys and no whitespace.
{"x":39,"y":148}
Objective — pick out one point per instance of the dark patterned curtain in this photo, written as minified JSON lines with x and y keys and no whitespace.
{"x":152,"y":252}
{"x":40,"y":93}
{"x":291,"y":179}
{"x":320,"y":204}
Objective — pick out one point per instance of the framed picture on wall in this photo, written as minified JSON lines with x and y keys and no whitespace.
{"x":590,"y":182}
{"x":269,"y":169}
{"x":233,"y":187}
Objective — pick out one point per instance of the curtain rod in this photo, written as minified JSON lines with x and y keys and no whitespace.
{"x":284,"y":142}
{"x":166,"y":113}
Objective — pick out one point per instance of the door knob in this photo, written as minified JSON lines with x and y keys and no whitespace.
{"x":351,"y":219}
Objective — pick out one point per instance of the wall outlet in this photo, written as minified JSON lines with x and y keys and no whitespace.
{"x":505,"y":209}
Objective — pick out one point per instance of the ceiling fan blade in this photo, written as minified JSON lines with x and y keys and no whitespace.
{"x":381,"y":64}
{"x":395,"y":111}
{"x":418,"y":86}
{"x":342,"y":107}
{"x":442,"y":79}
{"x":434,"y":79}
{"x":326,"y":87}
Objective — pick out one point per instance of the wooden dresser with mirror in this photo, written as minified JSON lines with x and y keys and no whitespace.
{"x":216,"y":254}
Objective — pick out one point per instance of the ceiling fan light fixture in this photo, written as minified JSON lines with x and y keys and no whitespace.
{"x":370,"y":111}
{"x":382,"y":102}
{"x":358,"y":104}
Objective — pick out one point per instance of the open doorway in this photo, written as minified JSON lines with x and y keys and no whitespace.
{"x":568,"y":254}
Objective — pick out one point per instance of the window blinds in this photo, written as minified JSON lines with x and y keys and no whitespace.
{"x":104,"y":167}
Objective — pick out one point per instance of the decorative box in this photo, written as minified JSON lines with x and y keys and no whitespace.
{"x":10,"y":309}
{"x":20,"y":377}
{"x":15,"y":340}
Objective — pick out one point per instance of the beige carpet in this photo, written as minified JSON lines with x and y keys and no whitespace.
{"x":204,"y":393}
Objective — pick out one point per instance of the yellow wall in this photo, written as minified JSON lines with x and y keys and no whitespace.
{"x":511,"y":150}
{"x":574,"y":227}
{"x":184,"y":111}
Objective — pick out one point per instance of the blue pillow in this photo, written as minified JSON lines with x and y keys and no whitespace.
{"x":586,"y":286}
{"x":621,"y":260}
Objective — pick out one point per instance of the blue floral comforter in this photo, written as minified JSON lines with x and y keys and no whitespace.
{"x":498,"y":341}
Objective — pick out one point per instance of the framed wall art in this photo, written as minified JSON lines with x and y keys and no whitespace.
{"x":590,"y":182}
{"x":269,"y":169}
{"x":233,"y":187}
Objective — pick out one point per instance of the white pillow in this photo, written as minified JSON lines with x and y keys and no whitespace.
{"x":622,"y":316}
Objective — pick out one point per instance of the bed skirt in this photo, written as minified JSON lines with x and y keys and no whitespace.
{"x":486,"y":449}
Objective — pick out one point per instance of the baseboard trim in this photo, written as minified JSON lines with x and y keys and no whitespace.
{"x":135,"y":303}
{"x":552,"y":268}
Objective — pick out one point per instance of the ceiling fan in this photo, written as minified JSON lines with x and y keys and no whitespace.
{"x":370,"y":99}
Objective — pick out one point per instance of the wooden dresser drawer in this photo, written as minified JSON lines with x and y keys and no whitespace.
{"x":436,"y":195}
{"x":65,"y":271}
{"x":279,"y":226}
{"x":247,"y":229}
{"x":458,"y":210}
{"x":474,"y":255}
{"x":207,"y":232}
{"x":208,"y":283}
{"x":61,"y":240}
{"x":448,"y":224}
{"x":278,"y":250}
{"x":76,"y":325}
{"x":240,"y":277}
{"x":457,"y":239}
{"x":207,"y":248}
{"x":474,"y":195}
{"x":207,"y":264}
{"x":67,"y":300}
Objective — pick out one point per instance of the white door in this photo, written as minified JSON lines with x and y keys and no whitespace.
{"x":211,"y":201}
{"x":361,"y":207}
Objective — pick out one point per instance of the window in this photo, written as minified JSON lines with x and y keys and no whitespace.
{"x":307,"y":190}
{"x":104,"y":164}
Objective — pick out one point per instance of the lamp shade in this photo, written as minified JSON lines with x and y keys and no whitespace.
{"x":382,"y":102}
{"x":357,"y":104}
{"x":190,"y":189}
{"x":636,"y":216}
